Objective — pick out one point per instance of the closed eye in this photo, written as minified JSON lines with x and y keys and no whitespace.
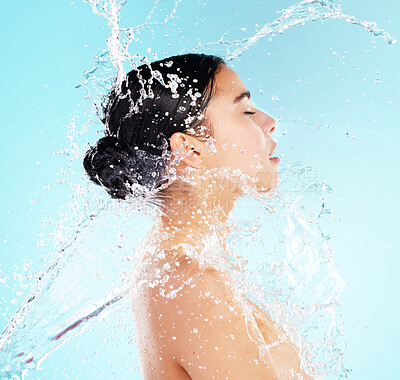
{"x":249,"y":113}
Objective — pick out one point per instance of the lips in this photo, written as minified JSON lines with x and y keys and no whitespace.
{"x":274,"y":159}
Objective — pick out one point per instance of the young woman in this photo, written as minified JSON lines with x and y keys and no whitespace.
{"x":189,"y":322}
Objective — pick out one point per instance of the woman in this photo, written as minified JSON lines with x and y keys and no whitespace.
{"x":194,"y":110}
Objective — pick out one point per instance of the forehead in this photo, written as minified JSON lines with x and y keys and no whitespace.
{"x":228,"y":84}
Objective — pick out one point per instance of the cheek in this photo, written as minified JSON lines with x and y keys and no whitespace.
{"x":245,"y":147}
{"x":253,"y":145}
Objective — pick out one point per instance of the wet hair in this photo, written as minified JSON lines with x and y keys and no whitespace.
{"x":153,"y":102}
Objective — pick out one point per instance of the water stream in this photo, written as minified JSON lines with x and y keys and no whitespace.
{"x":293,"y":274}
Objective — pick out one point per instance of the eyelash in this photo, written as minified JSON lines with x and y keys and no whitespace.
{"x":249,"y":113}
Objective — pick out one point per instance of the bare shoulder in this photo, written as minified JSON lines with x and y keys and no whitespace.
{"x":179,"y":279}
{"x":172,"y":280}
{"x":194,"y":319}
{"x":200,"y":324}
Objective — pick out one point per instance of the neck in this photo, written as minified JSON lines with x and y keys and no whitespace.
{"x":189,"y":214}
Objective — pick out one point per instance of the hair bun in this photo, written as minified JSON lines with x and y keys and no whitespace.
{"x":116,"y":166}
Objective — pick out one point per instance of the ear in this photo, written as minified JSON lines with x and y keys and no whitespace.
{"x":189,"y":149}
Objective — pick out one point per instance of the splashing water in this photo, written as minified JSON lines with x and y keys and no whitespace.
{"x":301,"y":14}
{"x":293,"y":275}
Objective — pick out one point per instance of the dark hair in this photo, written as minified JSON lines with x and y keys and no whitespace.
{"x":153,"y":102}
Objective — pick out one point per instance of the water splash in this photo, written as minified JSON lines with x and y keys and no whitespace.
{"x":92,"y":277}
{"x":79,"y":286}
{"x":294,"y":260}
{"x":295,"y":277}
{"x":300,"y":14}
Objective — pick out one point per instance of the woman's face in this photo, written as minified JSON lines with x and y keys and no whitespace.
{"x":242,"y":133}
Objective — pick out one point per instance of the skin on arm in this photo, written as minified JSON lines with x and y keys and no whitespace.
{"x":211,"y":336}
{"x":157,"y":362}
{"x":202,"y":331}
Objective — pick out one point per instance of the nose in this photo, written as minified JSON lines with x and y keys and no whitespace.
{"x":267,"y":122}
{"x":272,"y":126}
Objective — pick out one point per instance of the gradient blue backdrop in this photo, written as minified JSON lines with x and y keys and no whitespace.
{"x":332,"y":74}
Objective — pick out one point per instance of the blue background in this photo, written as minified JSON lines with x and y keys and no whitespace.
{"x":333,"y":75}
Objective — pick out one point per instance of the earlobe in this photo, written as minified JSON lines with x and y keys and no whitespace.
{"x":192,"y":158}
{"x":189,"y":153}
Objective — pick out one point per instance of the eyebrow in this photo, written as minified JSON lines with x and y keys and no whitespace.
{"x":245,"y":94}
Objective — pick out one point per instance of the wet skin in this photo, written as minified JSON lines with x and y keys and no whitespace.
{"x":200,"y":332}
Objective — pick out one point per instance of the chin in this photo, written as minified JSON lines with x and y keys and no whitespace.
{"x":270,"y":182}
